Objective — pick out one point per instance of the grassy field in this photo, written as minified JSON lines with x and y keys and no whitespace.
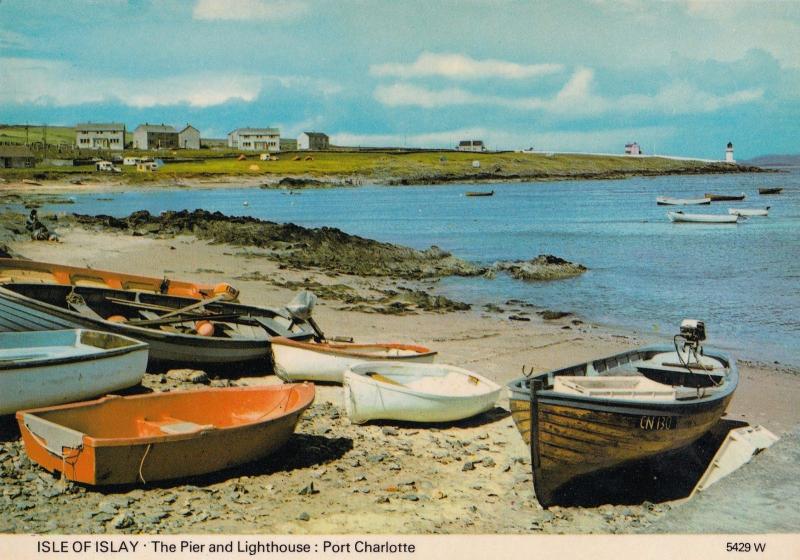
{"x":398,"y":167}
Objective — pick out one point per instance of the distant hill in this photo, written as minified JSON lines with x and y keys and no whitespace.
{"x":776,"y":160}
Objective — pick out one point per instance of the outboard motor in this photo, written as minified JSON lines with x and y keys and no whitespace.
{"x":300,"y":309}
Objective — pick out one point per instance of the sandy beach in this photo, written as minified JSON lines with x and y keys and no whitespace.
{"x":334,"y":477}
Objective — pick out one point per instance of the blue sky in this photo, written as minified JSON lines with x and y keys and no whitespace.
{"x":680,"y":78}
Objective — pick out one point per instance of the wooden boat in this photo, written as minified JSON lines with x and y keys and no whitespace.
{"x":232,"y":334}
{"x":748,"y":212}
{"x":667,"y":201}
{"x":53,"y":367}
{"x":327,"y":361}
{"x":702,"y":218}
{"x":162,"y":436}
{"x":18,"y":270}
{"x":415,"y":392}
{"x":479,"y":193}
{"x":605,"y":413}
{"x":770,"y":190}
{"x":724,"y":197}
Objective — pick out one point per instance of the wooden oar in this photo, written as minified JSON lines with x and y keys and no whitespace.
{"x":182,"y":319}
{"x":196,"y":305}
{"x":383,"y":379}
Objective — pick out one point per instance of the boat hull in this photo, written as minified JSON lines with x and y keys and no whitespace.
{"x":776,"y":190}
{"x":680,"y":217}
{"x":326,"y":362}
{"x":167,"y":348}
{"x":748,"y":212}
{"x":370,"y":399}
{"x":571,"y":436}
{"x":66,"y":366}
{"x":16,"y":270}
{"x":222,"y":438}
{"x":666,"y":201}
{"x":725,"y":197}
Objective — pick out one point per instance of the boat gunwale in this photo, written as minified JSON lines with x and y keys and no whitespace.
{"x":408,"y":391}
{"x":92,"y":441}
{"x":340,"y":349}
{"x":621,"y":405}
{"x":134,"y":346}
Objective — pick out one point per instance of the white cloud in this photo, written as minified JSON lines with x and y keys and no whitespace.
{"x":248,"y":10}
{"x":462,"y":67}
{"x":601,"y":140}
{"x":51,"y":82}
{"x":576,"y":98}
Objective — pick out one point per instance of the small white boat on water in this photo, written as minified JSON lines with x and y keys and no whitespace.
{"x":327,"y":361}
{"x":748,"y":212}
{"x":668,"y":201}
{"x":416,"y":392}
{"x":681,"y":217}
{"x":44,"y":368}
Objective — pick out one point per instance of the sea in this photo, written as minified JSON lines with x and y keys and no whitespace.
{"x":644,"y":272}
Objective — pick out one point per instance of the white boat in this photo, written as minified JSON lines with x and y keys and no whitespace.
{"x":44,"y":368}
{"x":747,"y":212}
{"x":667,"y":201}
{"x":327,"y":361}
{"x":702,"y":218}
{"x":416,"y":392}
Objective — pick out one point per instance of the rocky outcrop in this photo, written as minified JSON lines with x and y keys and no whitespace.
{"x":543,"y":267}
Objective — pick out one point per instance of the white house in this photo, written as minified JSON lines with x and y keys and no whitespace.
{"x":255,"y":139}
{"x":189,"y":138}
{"x":155,"y":136}
{"x":313,"y":141}
{"x":471,"y":146}
{"x":100,"y":136}
{"x":633,"y":149}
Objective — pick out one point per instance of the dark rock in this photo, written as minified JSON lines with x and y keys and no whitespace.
{"x":468,"y":466}
{"x":518,"y":318}
{"x":303,"y":516}
{"x":308,"y":490}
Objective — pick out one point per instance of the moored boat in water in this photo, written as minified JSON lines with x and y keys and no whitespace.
{"x":669,"y":201}
{"x":681,"y":217}
{"x":606,"y":413}
{"x":181,"y":332}
{"x":20,"y":270}
{"x":162,"y":436}
{"x":725,"y":197}
{"x":770,"y":190}
{"x":749,"y":212}
{"x":53,"y":367}
{"x":327,"y":361}
{"x":416,"y":392}
{"x":479,"y":193}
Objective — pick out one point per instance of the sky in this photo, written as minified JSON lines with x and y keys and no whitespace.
{"x":679,"y":77}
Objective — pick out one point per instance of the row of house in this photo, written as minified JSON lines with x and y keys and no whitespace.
{"x":111,"y":136}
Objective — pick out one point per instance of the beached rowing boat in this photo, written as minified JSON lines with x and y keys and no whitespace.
{"x":297,"y":360}
{"x":682,"y":217}
{"x":748,"y":212}
{"x":605,"y":413}
{"x":667,"y":201}
{"x":53,"y":367}
{"x":416,"y":392}
{"x":19,"y":270}
{"x":724,"y":197}
{"x":181,"y":332}
{"x":162,"y":436}
{"x":770,"y":190}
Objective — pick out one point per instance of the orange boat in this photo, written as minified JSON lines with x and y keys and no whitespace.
{"x":17,"y":270}
{"x":162,"y":436}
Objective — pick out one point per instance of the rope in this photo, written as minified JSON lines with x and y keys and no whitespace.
{"x":141,"y":464}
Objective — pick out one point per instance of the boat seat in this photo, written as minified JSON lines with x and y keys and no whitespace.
{"x":149,"y":315}
{"x":174,"y":426}
{"x":85,"y":310}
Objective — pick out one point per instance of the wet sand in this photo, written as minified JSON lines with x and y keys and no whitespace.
{"x":468,"y":477}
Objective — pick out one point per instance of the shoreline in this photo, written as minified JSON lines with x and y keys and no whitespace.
{"x":377,"y":478}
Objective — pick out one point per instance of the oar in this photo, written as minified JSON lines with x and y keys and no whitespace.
{"x":382,"y":378}
{"x":182,"y":319}
{"x":201,"y":303}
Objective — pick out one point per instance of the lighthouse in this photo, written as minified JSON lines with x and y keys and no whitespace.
{"x":729,"y":153}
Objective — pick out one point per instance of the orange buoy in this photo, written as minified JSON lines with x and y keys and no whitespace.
{"x":225,"y":289}
{"x":117,"y":319}
{"x":204,"y":328}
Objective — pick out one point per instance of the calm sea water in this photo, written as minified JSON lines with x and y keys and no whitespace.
{"x":644,"y":272}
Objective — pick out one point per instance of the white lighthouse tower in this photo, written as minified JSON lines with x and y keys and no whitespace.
{"x":729,"y":153}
